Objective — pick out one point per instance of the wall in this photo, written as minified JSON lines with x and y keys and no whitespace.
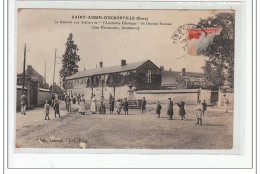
{"x":189,"y":96}
{"x":205,"y":95}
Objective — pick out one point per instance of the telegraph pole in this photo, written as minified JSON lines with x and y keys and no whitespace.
{"x":24,"y":60}
{"x":45,"y":73}
{"x":53,"y":72}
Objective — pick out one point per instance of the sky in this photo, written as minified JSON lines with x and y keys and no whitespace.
{"x":37,"y":29}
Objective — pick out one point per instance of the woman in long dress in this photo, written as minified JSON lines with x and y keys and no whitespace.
{"x":93,"y":106}
{"x":82,"y":108}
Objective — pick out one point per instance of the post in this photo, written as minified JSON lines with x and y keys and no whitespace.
{"x":24,"y":61}
{"x":53,"y":73}
{"x":45,"y":73}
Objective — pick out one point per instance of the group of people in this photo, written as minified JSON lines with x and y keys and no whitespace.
{"x":120,"y":104}
{"x":56,"y":107}
{"x":200,"y":110}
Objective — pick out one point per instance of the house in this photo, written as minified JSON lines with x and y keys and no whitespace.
{"x":36,"y":95}
{"x":143,"y":75}
{"x":183,"y":80}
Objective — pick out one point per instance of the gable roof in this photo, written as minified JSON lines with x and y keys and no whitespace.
{"x":107,"y":70}
{"x":30,"y":71}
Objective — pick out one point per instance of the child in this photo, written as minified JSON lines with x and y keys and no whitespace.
{"x":182,"y":110}
{"x":56,"y":108}
{"x":199,"y":113}
{"x":158,"y":109}
{"x":47,"y":110}
{"x":118,"y":106}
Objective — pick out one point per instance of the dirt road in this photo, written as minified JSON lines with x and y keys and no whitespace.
{"x":131,"y":131}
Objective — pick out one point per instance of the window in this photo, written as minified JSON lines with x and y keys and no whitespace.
{"x":149,"y":76}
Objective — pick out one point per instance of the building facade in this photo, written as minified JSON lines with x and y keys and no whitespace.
{"x":144,"y":75}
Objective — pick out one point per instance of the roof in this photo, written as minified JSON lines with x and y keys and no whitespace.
{"x":44,"y":90}
{"x":171,"y":91}
{"x":30,"y":71}
{"x":107,"y":70}
{"x":170,"y":77}
{"x":20,"y":87}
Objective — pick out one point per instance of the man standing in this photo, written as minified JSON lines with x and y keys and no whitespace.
{"x":204,"y":107}
{"x":143,"y":107}
{"x":125,"y":104}
{"x":56,"y":108}
{"x":23,"y":101}
{"x":69,"y":103}
{"x":52,"y":100}
{"x":66,"y":101}
{"x":170,"y":108}
{"x":111,"y":105}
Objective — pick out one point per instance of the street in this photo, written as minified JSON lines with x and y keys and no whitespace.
{"x":133,"y":131}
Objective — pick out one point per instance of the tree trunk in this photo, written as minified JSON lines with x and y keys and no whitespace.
{"x":91,"y":91}
{"x":114,"y":93}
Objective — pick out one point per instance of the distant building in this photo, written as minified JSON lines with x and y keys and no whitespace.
{"x":183,"y":80}
{"x":100,"y":81}
{"x":35,"y":93}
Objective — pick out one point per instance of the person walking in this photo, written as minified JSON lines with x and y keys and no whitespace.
{"x":23,"y":100}
{"x":56,"y":107}
{"x":204,"y":107}
{"x":93,"y":107}
{"x":182,"y":110}
{"x":82,"y":108}
{"x":199,"y":113}
{"x":125,"y":105}
{"x":47,"y":110}
{"x":143,"y":106}
{"x":158,"y":109}
{"x":170,"y":108}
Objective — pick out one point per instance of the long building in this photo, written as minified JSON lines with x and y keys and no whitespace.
{"x":144,"y":75}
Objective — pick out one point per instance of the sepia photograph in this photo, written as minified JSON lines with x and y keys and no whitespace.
{"x":125,"y":79}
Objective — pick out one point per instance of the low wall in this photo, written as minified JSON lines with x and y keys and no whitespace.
{"x":189,"y":96}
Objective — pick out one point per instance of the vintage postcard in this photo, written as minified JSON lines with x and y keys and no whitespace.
{"x":125,"y":79}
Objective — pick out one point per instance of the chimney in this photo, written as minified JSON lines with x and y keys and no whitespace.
{"x":29,"y":69}
{"x":100,"y":64}
{"x":183,"y":72}
{"x":123,"y":62}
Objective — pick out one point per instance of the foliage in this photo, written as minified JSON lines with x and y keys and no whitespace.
{"x":56,"y":89}
{"x":220,"y":66}
{"x":70,"y":60}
